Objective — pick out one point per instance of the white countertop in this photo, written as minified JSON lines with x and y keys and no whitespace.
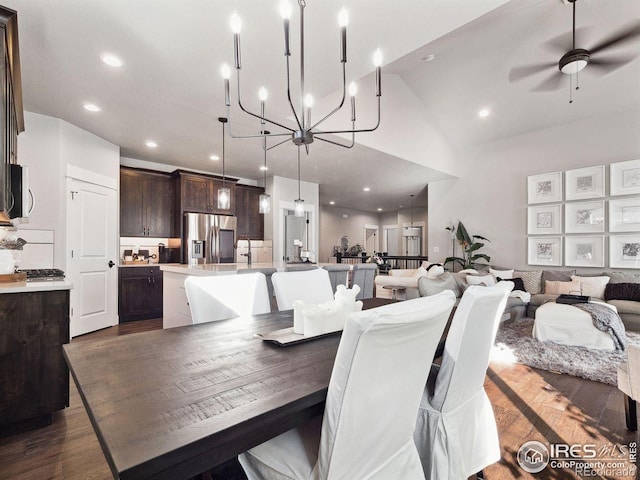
{"x":43,"y":286}
{"x":223,"y":268}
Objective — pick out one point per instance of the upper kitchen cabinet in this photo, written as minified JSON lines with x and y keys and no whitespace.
{"x":250,"y":221}
{"x":12,"y":114}
{"x":199,"y":193}
{"x":147,"y":200}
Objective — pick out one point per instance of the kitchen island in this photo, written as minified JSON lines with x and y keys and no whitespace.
{"x":175,"y":308}
{"x":34,"y":324}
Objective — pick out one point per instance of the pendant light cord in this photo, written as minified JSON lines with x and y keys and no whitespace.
{"x":224,"y":180}
{"x":298,"y":173}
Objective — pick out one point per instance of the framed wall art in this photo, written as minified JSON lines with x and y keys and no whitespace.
{"x":544,"y":188}
{"x":584,"y":217}
{"x":624,"y":251}
{"x":624,"y":215}
{"x":584,"y":183}
{"x":545,"y":251}
{"x":624,"y":178}
{"x":584,"y":251}
{"x":544,"y":220}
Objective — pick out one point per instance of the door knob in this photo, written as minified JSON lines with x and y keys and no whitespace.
{"x":111,"y":264}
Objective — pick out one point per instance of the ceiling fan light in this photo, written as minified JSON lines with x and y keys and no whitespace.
{"x":573,"y":67}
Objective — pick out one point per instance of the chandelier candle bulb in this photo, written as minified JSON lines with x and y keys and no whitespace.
{"x":343,"y":19}
{"x":236,"y":26}
{"x":353,"y":89}
{"x":308,"y":103}
{"x":285,"y":11}
{"x":377,"y":61}
{"x":226,"y":74}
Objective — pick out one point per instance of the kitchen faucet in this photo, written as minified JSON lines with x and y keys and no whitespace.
{"x":248,"y":254}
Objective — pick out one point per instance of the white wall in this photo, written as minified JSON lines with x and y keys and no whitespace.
{"x":490,"y":197}
{"x":333,"y":226}
{"x":283,"y":192}
{"x":47,"y":146}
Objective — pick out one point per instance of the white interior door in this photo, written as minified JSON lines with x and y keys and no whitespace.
{"x":93,"y":235}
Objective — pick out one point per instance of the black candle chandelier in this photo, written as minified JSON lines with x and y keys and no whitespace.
{"x":304,"y":131}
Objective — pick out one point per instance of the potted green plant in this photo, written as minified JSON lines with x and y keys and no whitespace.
{"x":469,"y":245}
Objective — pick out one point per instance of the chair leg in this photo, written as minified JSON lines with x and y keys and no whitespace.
{"x":631,"y":414}
{"x":480,"y":475}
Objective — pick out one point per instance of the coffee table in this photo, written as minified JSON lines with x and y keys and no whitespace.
{"x":395,"y":289}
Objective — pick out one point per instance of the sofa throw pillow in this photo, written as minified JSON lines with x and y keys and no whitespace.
{"x":562,"y":288}
{"x":518,"y":284}
{"x":592,"y":286}
{"x":622,"y":291}
{"x":432,"y":286}
{"x":532,"y":280}
{"x":620,"y":277}
{"x":486,"y":280}
{"x":503,"y":274}
{"x":556,"y":276}
{"x":435,"y":270}
{"x":421,"y":272}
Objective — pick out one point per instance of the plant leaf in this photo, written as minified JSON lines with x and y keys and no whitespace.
{"x":463,"y":235}
{"x":479,"y":237}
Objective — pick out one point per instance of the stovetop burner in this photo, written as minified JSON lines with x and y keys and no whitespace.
{"x":37,"y":274}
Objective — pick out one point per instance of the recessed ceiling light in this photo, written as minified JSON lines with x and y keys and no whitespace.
{"x":428,"y":58}
{"x":366,"y":189}
{"x":215,"y":158}
{"x":111,"y":60}
{"x":332,"y":203}
{"x":263,"y":168}
{"x":379,"y":209}
{"x":484,"y":113}
{"x":151,"y":144}
{"x":91,"y":107}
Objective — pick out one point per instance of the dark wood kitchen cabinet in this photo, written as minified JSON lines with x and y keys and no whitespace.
{"x":34,"y":378}
{"x":199,"y":193}
{"x":11,"y":109}
{"x":250,"y":221}
{"x":147,"y":201}
{"x":139,"y":293}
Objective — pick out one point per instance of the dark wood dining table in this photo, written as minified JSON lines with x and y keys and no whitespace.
{"x":170,"y":404}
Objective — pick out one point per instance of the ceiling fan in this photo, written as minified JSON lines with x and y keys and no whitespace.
{"x":576,"y":59}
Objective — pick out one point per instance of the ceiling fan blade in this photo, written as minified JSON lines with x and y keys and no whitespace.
{"x":620,"y":37}
{"x":564,"y":42}
{"x":610,"y":64}
{"x":550,"y":84}
{"x":518,"y":73}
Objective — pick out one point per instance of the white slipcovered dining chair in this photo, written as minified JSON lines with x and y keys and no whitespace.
{"x":629,"y":383}
{"x":373,"y":397}
{"x":311,"y":286}
{"x":456,"y":433}
{"x":226,"y":296}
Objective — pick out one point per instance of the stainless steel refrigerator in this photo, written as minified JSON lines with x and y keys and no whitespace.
{"x":209,"y":238}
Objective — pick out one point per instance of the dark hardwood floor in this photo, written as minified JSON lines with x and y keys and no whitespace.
{"x":529,"y":404}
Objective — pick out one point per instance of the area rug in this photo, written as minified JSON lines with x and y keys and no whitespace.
{"x":515,"y":344}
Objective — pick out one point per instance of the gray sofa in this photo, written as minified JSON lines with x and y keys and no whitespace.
{"x":457,"y":282}
{"x":591,"y":284}
{"x":629,"y":310}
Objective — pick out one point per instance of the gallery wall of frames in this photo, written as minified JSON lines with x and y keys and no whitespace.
{"x":577,"y":218}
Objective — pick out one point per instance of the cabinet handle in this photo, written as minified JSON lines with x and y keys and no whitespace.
{"x":149,"y":280}
{"x":153,"y":279}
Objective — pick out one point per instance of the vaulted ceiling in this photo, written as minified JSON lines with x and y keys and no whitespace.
{"x":170,"y":90}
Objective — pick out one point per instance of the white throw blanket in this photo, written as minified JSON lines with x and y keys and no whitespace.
{"x":524,"y":296}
